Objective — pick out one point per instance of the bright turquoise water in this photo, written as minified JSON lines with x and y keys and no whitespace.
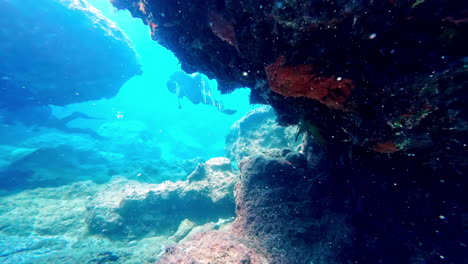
{"x":193,"y":131}
{"x":145,"y":98}
{"x":65,"y":169}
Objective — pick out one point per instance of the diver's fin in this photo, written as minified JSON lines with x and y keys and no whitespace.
{"x":76,"y":115}
{"x":229,"y":111}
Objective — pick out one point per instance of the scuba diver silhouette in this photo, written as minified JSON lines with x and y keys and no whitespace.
{"x":41,"y":116}
{"x":196,"y":89}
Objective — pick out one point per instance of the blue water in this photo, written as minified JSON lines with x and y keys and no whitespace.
{"x":145,"y":99}
{"x":60,"y":163}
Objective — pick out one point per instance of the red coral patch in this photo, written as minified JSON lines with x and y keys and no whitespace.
{"x":386,"y":147}
{"x":303,"y":81}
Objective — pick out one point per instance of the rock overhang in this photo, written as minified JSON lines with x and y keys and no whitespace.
{"x":340,"y":65}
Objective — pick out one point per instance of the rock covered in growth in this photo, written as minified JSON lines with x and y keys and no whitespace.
{"x":295,"y":213}
{"x":304,"y":81}
{"x":257,"y":133}
{"x":283,"y":216}
{"x":47,"y":225}
{"x":135,"y":209}
{"x":360,"y":214}
{"x":60,"y":52}
{"x":286,"y":210}
{"x":212,"y":247}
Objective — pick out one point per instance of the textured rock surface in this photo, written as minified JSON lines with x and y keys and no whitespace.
{"x":45,"y":212}
{"x":42,"y":49}
{"x":282,"y":217}
{"x":285,"y":210}
{"x":323,"y":212}
{"x":48,"y":225}
{"x":212,"y":247}
{"x":338,"y":213}
{"x":257,"y":133}
{"x":134,"y":209}
{"x":184,"y":229}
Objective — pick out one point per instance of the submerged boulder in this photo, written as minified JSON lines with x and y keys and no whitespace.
{"x":283,"y":216}
{"x":134,"y":209}
{"x":60,"y":52}
{"x":258,"y":133}
{"x":47,"y":225}
{"x":288,"y":213}
{"x":54,"y":166}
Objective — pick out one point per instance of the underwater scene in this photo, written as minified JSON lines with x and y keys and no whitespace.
{"x":234,"y":131}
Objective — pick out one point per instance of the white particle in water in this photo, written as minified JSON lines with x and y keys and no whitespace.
{"x":441,"y":217}
{"x":339,"y":79}
{"x":245,"y":73}
{"x":279,"y":4}
{"x":373,"y":36}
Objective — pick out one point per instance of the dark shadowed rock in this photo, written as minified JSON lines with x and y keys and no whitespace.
{"x":60,"y":52}
{"x":282,"y":209}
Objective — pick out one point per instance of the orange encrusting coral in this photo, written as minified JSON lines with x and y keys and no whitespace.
{"x":303,"y":81}
{"x":386,"y":147}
